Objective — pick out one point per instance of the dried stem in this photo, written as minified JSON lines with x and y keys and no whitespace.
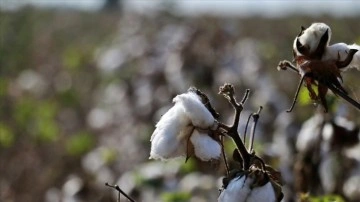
{"x":224,"y":155}
{"x":256,"y":117}
{"x":246,"y":127}
{"x":120,"y":192}
{"x":287,"y":64}
{"x":296,"y":94}
{"x":228,"y":91}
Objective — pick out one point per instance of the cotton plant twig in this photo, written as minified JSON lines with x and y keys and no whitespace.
{"x":284,"y":65}
{"x":296,"y":94}
{"x":224,"y":155}
{"x":228,"y":91}
{"x":246,"y":127}
{"x":117,"y":188}
{"x":256,"y":117}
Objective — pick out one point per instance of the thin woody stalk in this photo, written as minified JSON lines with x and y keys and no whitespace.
{"x":284,"y":65}
{"x":229,"y":93}
{"x":117,"y":188}
{"x":253,"y":128}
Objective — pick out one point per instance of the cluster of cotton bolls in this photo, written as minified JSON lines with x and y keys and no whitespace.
{"x":190,"y":128}
{"x":330,"y":146}
{"x":311,"y":37}
{"x":183,"y":128}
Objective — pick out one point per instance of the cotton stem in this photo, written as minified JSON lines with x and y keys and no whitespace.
{"x":117,"y":188}
{"x":228,"y":91}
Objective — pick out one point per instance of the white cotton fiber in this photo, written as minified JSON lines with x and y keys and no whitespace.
{"x":312,"y":35}
{"x":309,"y":133}
{"x":199,"y":115}
{"x":205,"y":147}
{"x":237,"y":190}
{"x":265,"y":193}
{"x":332,"y":53}
{"x":166,"y":141}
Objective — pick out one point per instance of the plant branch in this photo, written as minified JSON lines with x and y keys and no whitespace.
{"x":256,"y":117}
{"x":224,"y":155}
{"x":120,"y":191}
{"x":296,"y":94}
{"x":284,"y":65}
{"x":228,"y":91}
{"x":246,"y":127}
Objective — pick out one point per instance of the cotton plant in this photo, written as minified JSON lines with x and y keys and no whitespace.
{"x":190,"y":128}
{"x":314,"y":42}
{"x":320,"y":64}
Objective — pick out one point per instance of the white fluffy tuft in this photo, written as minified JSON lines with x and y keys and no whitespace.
{"x":167,"y":141}
{"x":237,"y":190}
{"x":312,"y":35}
{"x":343,"y":49}
{"x":199,"y":115}
{"x":309,"y":133}
{"x":264,"y":193}
{"x":205,"y":147}
{"x":311,"y":38}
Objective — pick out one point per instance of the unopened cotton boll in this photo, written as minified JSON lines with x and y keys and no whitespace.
{"x":168,"y":139}
{"x":204,"y":146}
{"x":237,"y":190}
{"x":199,"y":115}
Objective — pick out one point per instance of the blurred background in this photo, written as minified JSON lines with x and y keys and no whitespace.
{"x":83,"y":83}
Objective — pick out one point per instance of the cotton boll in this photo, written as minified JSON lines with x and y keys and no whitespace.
{"x":265,"y":193}
{"x":309,"y":133}
{"x":205,"y":147}
{"x":171,"y":131}
{"x":331,"y":52}
{"x":341,"y":49}
{"x":351,"y":188}
{"x":312,"y":35}
{"x":199,"y":115}
{"x":237,"y":190}
{"x":329,"y":170}
{"x":355,"y":62}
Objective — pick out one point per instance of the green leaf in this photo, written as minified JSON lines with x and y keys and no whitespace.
{"x":176,"y":197}
{"x":3,"y":87}
{"x":79,"y":144}
{"x":304,"y":97}
{"x":47,"y":130}
{"x":7,"y":137}
{"x":24,"y":110}
{"x":189,"y":166}
{"x":109,"y":155}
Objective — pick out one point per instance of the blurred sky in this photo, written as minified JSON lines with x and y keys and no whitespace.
{"x":267,"y":8}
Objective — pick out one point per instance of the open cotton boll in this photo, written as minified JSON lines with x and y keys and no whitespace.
{"x":341,"y":49}
{"x":168,"y":139}
{"x":237,"y":190}
{"x":265,"y":193}
{"x":204,"y":146}
{"x":312,"y":35}
{"x":309,"y":133}
{"x":351,"y":188}
{"x":199,"y":115}
{"x":355,"y":62}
